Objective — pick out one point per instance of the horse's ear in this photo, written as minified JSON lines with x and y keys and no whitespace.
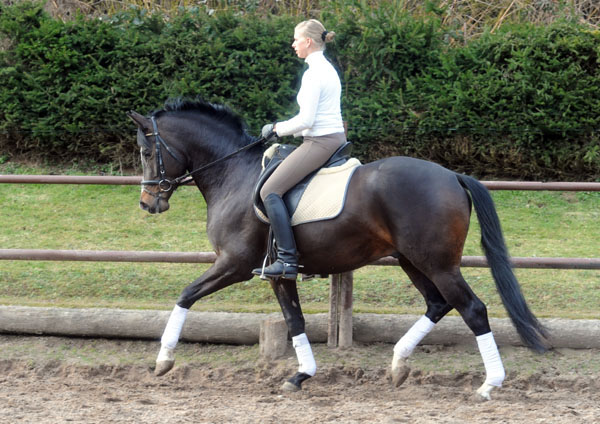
{"x":141,"y":121}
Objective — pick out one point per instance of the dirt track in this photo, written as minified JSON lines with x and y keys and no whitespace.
{"x":59,"y":380}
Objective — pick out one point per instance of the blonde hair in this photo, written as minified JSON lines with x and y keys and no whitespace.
{"x":316,"y":31}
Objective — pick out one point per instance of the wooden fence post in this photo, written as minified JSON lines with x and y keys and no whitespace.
{"x":345,"y":317}
{"x":334,"y":294}
{"x":273,"y":337}
{"x":339,"y":332}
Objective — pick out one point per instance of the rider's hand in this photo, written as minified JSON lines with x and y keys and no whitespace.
{"x":268,"y":132}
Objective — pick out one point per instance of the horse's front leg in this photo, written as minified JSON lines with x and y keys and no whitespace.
{"x":218,"y":276}
{"x":287,"y":295}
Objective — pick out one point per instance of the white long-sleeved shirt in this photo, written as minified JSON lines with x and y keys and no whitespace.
{"x":319,"y":100}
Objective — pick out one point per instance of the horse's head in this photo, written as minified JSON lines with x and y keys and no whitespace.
{"x":160,"y":162}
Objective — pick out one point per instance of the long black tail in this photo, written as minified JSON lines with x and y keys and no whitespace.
{"x":529,"y":328}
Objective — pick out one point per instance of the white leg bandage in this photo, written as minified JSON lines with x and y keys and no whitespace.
{"x":172,"y":331}
{"x":413,"y":336}
{"x":494,"y":370}
{"x":306,"y":360}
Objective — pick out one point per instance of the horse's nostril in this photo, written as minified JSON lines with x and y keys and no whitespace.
{"x":143,"y":206}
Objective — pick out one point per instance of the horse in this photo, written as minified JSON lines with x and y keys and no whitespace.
{"x":411,"y":209}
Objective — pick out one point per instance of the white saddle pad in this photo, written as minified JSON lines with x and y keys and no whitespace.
{"x":324,"y":196}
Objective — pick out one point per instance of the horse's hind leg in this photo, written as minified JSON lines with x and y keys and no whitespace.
{"x":287,"y":295}
{"x":437,"y":307}
{"x":459,"y":295}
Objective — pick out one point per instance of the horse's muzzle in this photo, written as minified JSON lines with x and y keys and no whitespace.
{"x":153,"y":203}
{"x":157,"y":207}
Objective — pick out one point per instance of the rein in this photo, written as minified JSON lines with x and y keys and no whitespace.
{"x":165,"y":184}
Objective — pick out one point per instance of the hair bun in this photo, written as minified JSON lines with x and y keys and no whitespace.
{"x":328,"y":36}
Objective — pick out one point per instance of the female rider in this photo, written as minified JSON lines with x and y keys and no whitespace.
{"x":320,"y":124}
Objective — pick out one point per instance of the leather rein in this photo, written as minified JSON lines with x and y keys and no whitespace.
{"x":166,"y":185}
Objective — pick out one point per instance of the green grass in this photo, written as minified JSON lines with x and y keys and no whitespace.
{"x":90,"y":217}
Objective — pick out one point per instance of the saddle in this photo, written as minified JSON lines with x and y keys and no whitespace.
{"x":274,"y":155}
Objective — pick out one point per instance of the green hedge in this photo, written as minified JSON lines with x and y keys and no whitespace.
{"x":524,"y":100}
{"x":65,"y":86}
{"x":519,"y":103}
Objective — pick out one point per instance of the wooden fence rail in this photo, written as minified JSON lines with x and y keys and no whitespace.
{"x":209,"y":257}
{"x":134,"y":180}
{"x":340,"y":301}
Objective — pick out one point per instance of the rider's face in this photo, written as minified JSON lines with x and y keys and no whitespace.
{"x":302,"y":45}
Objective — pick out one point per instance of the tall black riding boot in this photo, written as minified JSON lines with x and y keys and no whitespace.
{"x":286,"y":265}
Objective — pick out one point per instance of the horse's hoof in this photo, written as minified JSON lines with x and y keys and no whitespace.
{"x":163,"y":367}
{"x":290,"y":387}
{"x":484,"y":391}
{"x":164,"y":361}
{"x":400,"y":372}
{"x":294,"y":384}
{"x":399,"y":375}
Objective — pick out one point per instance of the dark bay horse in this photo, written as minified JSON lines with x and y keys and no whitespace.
{"x":413,"y":210}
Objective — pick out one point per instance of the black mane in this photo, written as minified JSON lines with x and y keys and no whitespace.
{"x":219,"y":112}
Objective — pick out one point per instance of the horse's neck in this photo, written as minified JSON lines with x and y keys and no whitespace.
{"x":231,"y":181}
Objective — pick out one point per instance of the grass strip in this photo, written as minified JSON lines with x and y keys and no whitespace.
{"x":89,"y":217}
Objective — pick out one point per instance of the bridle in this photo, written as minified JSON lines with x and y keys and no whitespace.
{"x":166,"y":185}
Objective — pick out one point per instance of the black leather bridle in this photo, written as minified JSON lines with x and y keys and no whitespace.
{"x":163,"y":183}
{"x":166,"y":185}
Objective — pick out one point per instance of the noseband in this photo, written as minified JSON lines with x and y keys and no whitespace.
{"x":166,"y":185}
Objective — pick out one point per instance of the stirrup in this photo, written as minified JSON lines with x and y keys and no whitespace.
{"x":288,"y":271}
{"x":262,"y":275}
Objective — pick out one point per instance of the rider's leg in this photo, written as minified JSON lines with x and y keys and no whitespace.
{"x":286,"y":265}
{"x":306,"y":158}
{"x":312,"y":154}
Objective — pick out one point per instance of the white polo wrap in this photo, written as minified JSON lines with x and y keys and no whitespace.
{"x":172,"y":331}
{"x":306,"y":360}
{"x":494,"y":370}
{"x":413,"y":336}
